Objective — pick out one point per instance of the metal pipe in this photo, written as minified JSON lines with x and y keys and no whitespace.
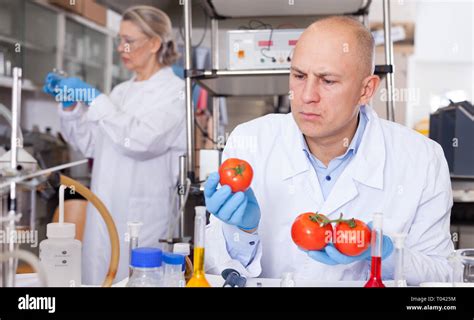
{"x":33,"y":210}
{"x":215,"y":66}
{"x":188,"y":87}
{"x":182,"y":193}
{"x":215,"y":43}
{"x":390,"y":81}
{"x":43,"y":173}
{"x":9,"y":268}
{"x":215,"y":121}
{"x":262,"y":72}
{"x":16,"y":102}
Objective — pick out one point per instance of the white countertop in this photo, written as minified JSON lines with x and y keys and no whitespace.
{"x":31,"y":280}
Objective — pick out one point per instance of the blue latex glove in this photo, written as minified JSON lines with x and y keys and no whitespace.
{"x":239,"y":209}
{"x":331,"y":256}
{"x":51,"y":81}
{"x":69,"y":90}
{"x":51,"y":85}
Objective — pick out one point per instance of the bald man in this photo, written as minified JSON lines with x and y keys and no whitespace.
{"x":332,"y":154}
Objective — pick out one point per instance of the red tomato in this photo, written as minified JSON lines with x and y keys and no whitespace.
{"x":352,"y":237}
{"x":236,"y":173}
{"x":309,"y":233}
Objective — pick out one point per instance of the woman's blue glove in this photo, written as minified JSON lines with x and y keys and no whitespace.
{"x":51,"y":82}
{"x":69,"y":90}
{"x":331,"y":256}
{"x":239,"y":209}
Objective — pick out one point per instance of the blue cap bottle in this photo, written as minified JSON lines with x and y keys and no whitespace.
{"x":146,"y":266}
{"x":146,"y":258}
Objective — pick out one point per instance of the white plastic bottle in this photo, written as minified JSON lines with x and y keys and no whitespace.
{"x":60,"y":254}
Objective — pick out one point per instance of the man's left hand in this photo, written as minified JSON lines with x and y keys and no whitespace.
{"x":331,"y":256}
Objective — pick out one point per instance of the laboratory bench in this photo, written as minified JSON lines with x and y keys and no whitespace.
{"x":216,"y":281}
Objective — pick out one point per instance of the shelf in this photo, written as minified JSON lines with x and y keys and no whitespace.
{"x":244,"y":82}
{"x":267,"y":82}
{"x":26,"y":45}
{"x":74,"y":16}
{"x":90,"y":24}
{"x":221,"y":9}
{"x":84,"y":63}
{"x":6,"y":82}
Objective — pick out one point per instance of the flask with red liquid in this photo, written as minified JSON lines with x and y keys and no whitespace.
{"x":375,"y":279}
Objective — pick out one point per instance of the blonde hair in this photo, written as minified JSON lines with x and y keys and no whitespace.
{"x":155,"y":23}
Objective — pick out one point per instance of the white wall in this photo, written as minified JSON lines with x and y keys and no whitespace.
{"x":443,"y":58}
{"x":41,"y":112}
{"x":400,"y":10}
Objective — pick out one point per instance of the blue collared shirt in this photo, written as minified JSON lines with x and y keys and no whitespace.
{"x":327,"y":176}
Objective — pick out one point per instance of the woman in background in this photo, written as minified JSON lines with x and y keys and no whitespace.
{"x":135,"y":136}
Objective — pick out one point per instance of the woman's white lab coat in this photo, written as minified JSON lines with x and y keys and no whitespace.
{"x":395,"y":171}
{"x":135,"y":136}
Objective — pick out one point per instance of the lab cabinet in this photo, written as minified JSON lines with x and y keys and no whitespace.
{"x":40,"y":37}
{"x":11,"y":35}
{"x":11,"y":11}
{"x":40,"y":25}
{"x":27,"y":39}
{"x":84,"y":54}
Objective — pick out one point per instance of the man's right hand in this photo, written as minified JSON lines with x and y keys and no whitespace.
{"x":240,"y":209}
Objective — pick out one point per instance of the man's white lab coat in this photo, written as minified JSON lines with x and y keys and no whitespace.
{"x":396,"y":171}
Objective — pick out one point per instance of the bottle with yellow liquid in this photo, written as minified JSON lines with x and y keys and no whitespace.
{"x":199,"y":278}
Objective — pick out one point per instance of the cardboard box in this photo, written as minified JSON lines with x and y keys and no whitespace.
{"x":89,"y":9}
{"x":95,"y":12}
{"x":75,"y":6}
{"x":405,"y":29}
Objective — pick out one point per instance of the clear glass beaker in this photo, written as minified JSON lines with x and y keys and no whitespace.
{"x":462,"y":262}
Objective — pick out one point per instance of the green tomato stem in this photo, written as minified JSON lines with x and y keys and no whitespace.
{"x":325,"y":221}
{"x":238,"y":170}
